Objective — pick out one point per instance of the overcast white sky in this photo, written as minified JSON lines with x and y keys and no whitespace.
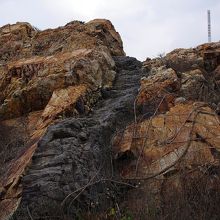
{"x":147,"y":27}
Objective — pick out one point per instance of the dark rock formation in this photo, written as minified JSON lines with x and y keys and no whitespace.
{"x":74,"y":151}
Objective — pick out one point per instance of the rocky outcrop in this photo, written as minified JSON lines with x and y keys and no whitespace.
{"x":205,"y":56}
{"x":46,"y":76}
{"x":191,"y":67}
{"x":28,"y":85}
{"x":35,"y":63}
{"x":175,"y":158}
{"x":172,"y":147}
{"x":22,"y":41}
{"x":158,"y":87}
{"x":88,"y":133}
{"x":185,"y":137}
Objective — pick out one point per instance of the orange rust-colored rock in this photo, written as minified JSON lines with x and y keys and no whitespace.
{"x":183,"y":138}
{"x":195,"y":70}
{"x":62,"y":101}
{"x":27,"y":85}
{"x":157,"y":89}
{"x":170,"y":156}
{"x":10,"y":181}
{"x":172,"y":149}
{"x":181,"y":60}
{"x":34,"y":63}
{"x":21,"y":40}
{"x":45,"y":76}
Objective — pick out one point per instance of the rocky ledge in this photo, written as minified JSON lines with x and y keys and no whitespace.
{"x":88,"y":133}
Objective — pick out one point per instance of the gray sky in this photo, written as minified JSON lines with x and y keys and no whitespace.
{"x":147,"y":27}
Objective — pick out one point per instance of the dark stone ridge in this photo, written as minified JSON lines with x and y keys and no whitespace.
{"x":74,"y":151}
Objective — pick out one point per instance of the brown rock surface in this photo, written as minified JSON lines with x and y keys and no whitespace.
{"x":158,"y":88}
{"x":46,"y":76}
{"x":21,"y":40}
{"x":28,"y":84}
{"x":34,"y":63}
{"x":174,"y":157}
{"x":182,"y":138}
{"x":181,"y":60}
{"x":196,"y":70}
{"x":172,"y":148}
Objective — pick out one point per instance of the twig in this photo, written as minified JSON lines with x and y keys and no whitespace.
{"x":46,"y":217}
{"x":145,"y":140}
{"x":80,"y":189}
{"x":118,"y":182}
{"x":84,"y":188}
{"x":29,"y":213}
{"x":90,"y":183}
{"x":119,"y":212}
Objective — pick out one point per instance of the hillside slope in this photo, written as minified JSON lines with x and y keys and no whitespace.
{"x":89,"y":133}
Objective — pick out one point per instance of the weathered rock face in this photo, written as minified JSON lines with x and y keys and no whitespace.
{"x":84,"y":57}
{"x":36,"y":76}
{"x":205,"y":56}
{"x":35,"y":63}
{"x":175,"y":157}
{"x":194,"y":72}
{"x":159,"y":87}
{"x":183,"y":138}
{"x":28,"y":84}
{"x":77,"y":151}
{"x":46,"y":76}
{"x":21,"y":40}
{"x":86,"y":130}
{"x":172,"y":147}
